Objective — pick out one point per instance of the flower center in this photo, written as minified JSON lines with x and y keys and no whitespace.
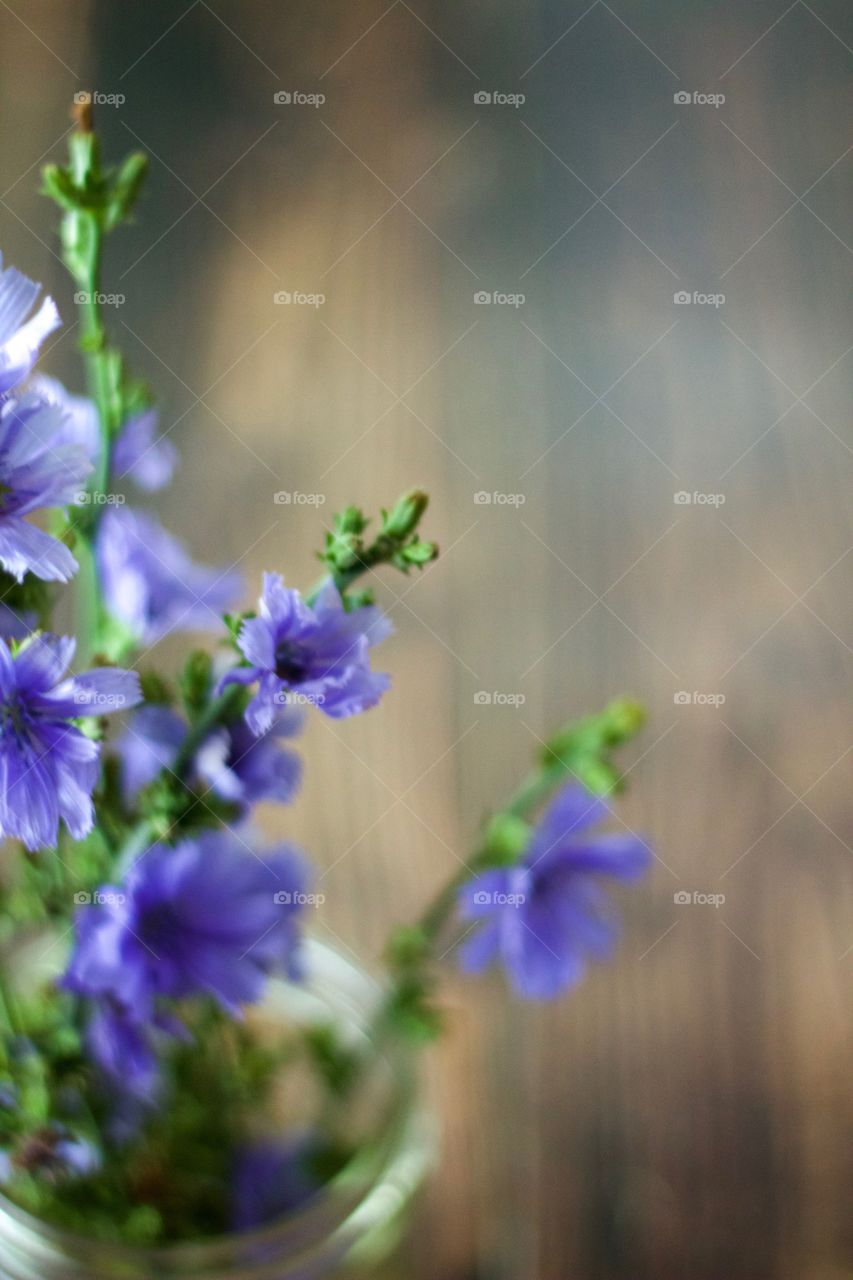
{"x":292,"y":662}
{"x":159,"y":927}
{"x":14,"y":720}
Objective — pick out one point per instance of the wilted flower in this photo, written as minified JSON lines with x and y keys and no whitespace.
{"x":316,"y":654}
{"x":48,"y":768}
{"x":207,"y":917}
{"x":542,"y":917}
{"x":236,"y":765}
{"x":21,"y":334}
{"x":150,"y":582}
{"x":35,"y":473}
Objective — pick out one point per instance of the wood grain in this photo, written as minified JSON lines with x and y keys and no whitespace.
{"x":687,"y":1111}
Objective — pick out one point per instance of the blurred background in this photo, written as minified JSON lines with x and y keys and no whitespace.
{"x":582,"y":270}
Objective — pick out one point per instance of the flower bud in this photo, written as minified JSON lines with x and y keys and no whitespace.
{"x":402,"y":520}
{"x":506,"y":839}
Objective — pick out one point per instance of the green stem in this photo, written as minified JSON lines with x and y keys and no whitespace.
{"x":143,"y":834}
{"x":85,"y":266}
{"x":86,"y":600}
{"x":431,"y":924}
{"x":217,"y":712}
{"x":8,"y":1007}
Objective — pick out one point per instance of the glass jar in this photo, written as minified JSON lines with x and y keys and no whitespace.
{"x":347,"y":1230}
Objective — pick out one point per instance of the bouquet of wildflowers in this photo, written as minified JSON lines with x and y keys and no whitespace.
{"x":137,"y":1093}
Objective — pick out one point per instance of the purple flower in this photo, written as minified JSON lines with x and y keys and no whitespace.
{"x":122,"y":1049}
{"x":127,"y":1051}
{"x":148,"y":459}
{"x":151,"y":584}
{"x":15,"y":625}
{"x":206,"y":917}
{"x":137,"y":451}
{"x":542,"y":917}
{"x":270,"y":1179}
{"x":246,"y":769}
{"x":21,"y":334}
{"x":35,"y":473}
{"x":77,"y":1156}
{"x":53,"y":1154}
{"x":235,"y":764}
{"x":311,"y":653}
{"x":78,"y":423}
{"x":150,"y":743}
{"x":48,"y":768}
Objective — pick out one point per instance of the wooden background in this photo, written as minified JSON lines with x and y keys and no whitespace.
{"x":688,"y":1111}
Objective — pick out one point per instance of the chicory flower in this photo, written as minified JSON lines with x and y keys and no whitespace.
{"x":21,"y":333}
{"x":48,"y":768}
{"x":137,"y":452}
{"x":313,"y":653}
{"x":150,"y":582}
{"x":35,"y":472}
{"x":206,"y":917}
{"x":543,"y":917}
{"x":237,"y":766}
